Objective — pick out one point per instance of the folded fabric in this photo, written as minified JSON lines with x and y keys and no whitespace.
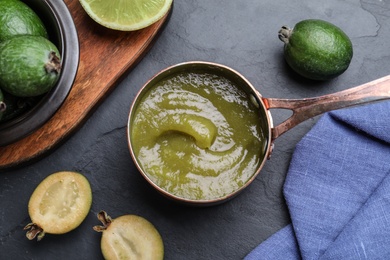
{"x":337,"y":190}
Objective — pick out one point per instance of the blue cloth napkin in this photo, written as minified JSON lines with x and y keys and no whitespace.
{"x":338,"y":190}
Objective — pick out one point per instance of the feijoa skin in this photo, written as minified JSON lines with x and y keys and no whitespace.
{"x":17,"y":18}
{"x":316,"y":49}
{"x":29,"y":65}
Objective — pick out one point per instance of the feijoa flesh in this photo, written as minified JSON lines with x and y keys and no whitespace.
{"x":316,"y":49}
{"x":29,"y":65}
{"x":129,"y":237}
{"x":17,"y":18}
{"x":59,"y":204}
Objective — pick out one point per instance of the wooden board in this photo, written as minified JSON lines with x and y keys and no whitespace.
{"x":105,"y":55}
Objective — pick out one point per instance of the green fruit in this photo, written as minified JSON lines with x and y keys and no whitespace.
{"x":18,"y":19}
{"x":29,"y":65}
{"x":59,"y":204}
{"x":316,"y":49}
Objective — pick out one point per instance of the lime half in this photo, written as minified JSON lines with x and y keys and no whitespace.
{"x":126,"y":15}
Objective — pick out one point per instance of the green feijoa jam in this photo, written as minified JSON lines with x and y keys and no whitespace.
{"x":17,"y":18}
{"x":316,"y":49}
{"x":197,"y":136}
{"x":29,"y":65}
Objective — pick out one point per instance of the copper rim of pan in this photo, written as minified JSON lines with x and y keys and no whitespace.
{"x":227,"y":72}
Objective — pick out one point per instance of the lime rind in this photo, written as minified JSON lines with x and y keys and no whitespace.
{"x":128,"y":15}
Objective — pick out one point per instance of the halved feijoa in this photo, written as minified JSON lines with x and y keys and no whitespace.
{"x":17,"y":18}
{"x":29,"y":65}
{"x":129,"y":237}
{"x":59,"y":204}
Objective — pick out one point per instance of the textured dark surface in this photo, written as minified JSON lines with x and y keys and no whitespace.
{"x":240,"y":34}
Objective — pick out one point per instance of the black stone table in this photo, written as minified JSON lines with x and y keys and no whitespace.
{"x":242,"y":35}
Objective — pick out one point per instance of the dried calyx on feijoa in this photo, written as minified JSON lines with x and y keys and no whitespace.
{"x":129,"y":237}
{"x":59,"y":204}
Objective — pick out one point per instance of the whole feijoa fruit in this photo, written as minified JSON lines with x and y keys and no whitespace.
{"x":316,"y":49}
{"x":17,"y":18}
{"x":29,"y":65}
{"x":59,"y":204}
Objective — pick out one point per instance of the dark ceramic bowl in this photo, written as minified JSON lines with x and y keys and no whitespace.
{"x":62,"y":32}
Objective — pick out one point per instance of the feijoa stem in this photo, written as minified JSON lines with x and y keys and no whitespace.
{"x":105,"y":219}
{"x":54,"y":64}
{"x":284,"y":34}
{"x":34,"y":231}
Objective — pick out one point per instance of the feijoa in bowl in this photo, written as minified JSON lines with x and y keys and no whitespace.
{"x":29,"y":114}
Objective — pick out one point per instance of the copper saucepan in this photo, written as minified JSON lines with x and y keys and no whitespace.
{"x":302,"y":109}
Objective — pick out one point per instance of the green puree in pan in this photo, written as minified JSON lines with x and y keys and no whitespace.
{"x":197,"y":136}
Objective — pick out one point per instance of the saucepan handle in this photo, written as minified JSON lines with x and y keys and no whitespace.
{"x":304,"y":109}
